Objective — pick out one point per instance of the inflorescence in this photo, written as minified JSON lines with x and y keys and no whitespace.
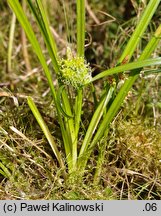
{"x":74,"y":70}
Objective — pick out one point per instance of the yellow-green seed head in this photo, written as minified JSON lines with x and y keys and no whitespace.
{"x":74,"y":70}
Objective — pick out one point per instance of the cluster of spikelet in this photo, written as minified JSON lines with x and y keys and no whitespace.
{"x":74,"y":70}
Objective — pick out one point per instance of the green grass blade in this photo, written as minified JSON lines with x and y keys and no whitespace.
{"x":152,"y":44}
{"x":59,"y":96}
{"x":44,"y":25}
{"x":68,"y":25}
{"x":80,"y":27}
{"x":78,"y":109}
{"x":128,"y":67}
{"x":140,"y":29}
{"x":96,"y":119}
{"x":77,"y":119}
{"x":10,"y":45}
{"x":4,"y":171}
{"x":47,"y":26}
{"x":45,"y":130}
{"x":152,"y":71}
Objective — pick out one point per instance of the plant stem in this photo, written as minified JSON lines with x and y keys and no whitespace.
{"x":80,"y":52}
{"x":24,"y":44}
{"x":80,"y":27}
{"x":11,"y":37}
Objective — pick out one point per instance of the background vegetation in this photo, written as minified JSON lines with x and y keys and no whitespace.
{"x":132,"y":165}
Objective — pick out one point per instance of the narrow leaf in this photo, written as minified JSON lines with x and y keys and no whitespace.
{"x":80,"y":26}
{"x":140,"y":29}
{"x":59,"y":98}
{"x":128,"y":67}
{"x":46,"y":131}
{"x":96,"y":119}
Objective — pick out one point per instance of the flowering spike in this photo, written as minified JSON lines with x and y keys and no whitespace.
{"x":74,"y":70}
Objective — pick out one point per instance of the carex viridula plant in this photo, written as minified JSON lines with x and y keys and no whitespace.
{"x":74,"y":72}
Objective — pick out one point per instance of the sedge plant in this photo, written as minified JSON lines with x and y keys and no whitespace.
{"x":73,"y":73}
